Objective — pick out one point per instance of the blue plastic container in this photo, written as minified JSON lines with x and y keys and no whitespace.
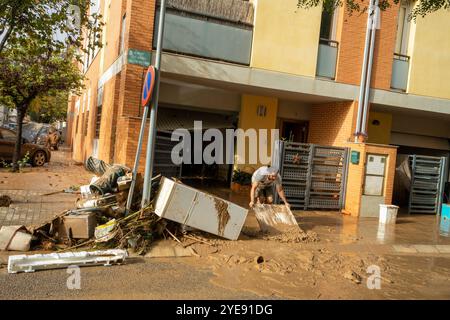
{"x":445,"y":220}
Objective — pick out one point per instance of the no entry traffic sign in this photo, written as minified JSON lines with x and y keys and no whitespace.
{"x":148,"y":86}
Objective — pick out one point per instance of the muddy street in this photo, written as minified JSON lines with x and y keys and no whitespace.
{"x":333,"y":256}
{"x":336,"y":264}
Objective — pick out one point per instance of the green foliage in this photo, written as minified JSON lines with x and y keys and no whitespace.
{"x":21,"y":163}
{"x":43,"y":19}
{"x":241,"y":177}
{"x":38,"y":51}
{"x":49,"y":108}
{"x":30,"y":69}
{"x":422,"y":7}
{"x":350,"y":5}
{"x":427,"y":6}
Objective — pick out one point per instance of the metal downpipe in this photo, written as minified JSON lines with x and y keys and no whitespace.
{"x":369,"y":70}
{"x":363,"y":76}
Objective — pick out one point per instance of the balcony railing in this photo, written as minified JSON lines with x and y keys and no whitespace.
{"x":327,"y":58}
{"x":204,"y":35}
{"x":400,"y":69}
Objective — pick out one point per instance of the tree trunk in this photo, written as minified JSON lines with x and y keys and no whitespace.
{"x":18,"y":145}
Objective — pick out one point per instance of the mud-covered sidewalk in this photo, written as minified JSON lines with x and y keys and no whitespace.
{"x":27,"y":190}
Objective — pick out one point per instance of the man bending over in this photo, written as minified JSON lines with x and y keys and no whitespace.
{"x":263,"y":181}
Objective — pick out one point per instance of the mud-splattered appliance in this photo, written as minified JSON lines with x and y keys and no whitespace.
{"x":183,"y":204}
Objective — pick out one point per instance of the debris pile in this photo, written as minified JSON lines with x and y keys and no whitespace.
{"x":5,"y":201}
{"x":100,"y":210}
{"x":100,"y":219}
{"x":106,"y":218}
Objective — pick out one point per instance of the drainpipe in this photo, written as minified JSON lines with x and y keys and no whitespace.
{"x":363,"y":75}
{"x":375,"y":21}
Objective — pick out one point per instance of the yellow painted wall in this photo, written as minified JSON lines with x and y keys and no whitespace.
{"x":430,"y":56}
{"x":285,"y":38}
{"x":248,"y":118}
{"x":379,"y":133}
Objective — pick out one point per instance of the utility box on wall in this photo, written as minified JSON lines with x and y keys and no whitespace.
{"x":354,"y":157}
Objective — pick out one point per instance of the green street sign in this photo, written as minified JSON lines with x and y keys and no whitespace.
{"x":139,"y":57}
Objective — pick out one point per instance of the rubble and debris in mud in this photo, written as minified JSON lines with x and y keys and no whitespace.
{"x":353,"y":276}
{"x":96,"y":166}
{"x":107,"y":182}
{"x":185,"y":205}
{"x":32,"y":263}
{"x":71,"y":189}
{"x":15,"y":238}
{"x":124,"y":182}
{"x":5,"y":201}
{"x":78,"y":225}
{"x":99,"y":221}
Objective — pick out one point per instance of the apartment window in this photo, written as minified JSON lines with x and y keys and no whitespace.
{"x":122,"y":34}
{"x":328,"y":24}
{"x":403,"y":26}
{"x":77,"y":110}
{"x":91,"y":38}
{"x":76,"y":124}
{"x":94,"y":47}
{"x":96,"y":38}
{"x":86,"y":123}
{"x":98,"y":117}
{"x":98,"y":121}
{"x":86,"y":59}
{"x":328,"y":46}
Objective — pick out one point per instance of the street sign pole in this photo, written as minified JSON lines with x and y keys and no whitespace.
{"x":153,"y":112}
{"x":136,"y":160}
{"x":147,"y":91}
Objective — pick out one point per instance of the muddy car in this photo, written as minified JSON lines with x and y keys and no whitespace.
{"x":38,"y":155}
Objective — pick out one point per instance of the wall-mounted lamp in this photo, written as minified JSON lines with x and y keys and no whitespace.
{"x":261,"y":111}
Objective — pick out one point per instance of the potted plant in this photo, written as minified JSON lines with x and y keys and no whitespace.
{"x":241,"y":181}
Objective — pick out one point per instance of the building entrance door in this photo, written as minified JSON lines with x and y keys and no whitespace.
{"x":294,"y":131}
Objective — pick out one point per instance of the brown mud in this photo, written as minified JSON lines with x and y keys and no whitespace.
{"x":222,"y":214}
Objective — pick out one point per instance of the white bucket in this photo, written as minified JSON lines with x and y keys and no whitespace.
{"x":388,"y":213}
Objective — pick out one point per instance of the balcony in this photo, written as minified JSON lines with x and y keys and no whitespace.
{"x":223,"y":32}
{"x":327,"y":58}
{"x":400,"y":69}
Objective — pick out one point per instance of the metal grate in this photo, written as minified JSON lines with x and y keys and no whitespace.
{"x":163,"y":160}
{"x":313,"y":176}
{"x":426,"y":184}
{"x":326,"y":188}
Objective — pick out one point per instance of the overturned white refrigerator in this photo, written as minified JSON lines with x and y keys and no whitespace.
{"x":183,"y":204}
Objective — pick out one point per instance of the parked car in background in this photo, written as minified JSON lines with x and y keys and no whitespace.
{"x":39,"y":155}
{"x":36,"y":132}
